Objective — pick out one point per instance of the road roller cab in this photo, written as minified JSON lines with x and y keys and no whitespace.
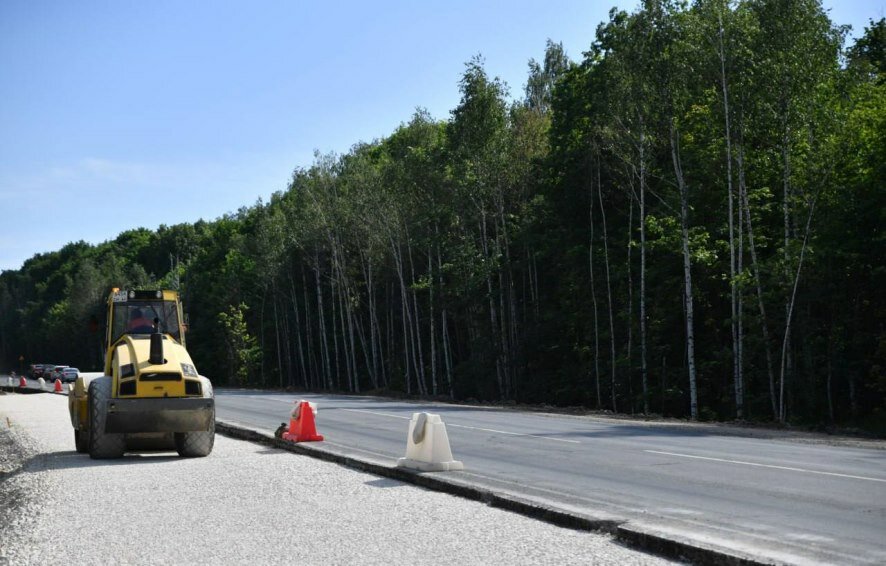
{"x":150,"y":390}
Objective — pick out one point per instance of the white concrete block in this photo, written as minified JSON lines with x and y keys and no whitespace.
{"x":427,"y":445}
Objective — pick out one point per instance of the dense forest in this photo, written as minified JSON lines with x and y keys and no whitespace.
{"x":689,"y":221}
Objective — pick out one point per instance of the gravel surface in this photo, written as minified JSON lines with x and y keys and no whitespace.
{"x":244,"y":504}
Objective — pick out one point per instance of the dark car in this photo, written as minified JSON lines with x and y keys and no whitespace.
{"x":36,"y":370}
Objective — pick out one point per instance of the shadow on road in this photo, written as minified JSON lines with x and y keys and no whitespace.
{"x":69,"y":459}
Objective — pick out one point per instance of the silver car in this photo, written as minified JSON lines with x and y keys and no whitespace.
{"x":70,"y":374}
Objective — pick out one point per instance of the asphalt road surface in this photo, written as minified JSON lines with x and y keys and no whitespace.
{"x":775,"y":496}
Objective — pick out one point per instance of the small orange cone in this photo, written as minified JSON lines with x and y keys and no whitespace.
{"x":301,"y":424}
{"x":58,"y":385}
{"x":23,"y":382}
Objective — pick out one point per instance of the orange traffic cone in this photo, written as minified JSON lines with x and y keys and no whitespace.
{"x":58,"y":385}
{"x":23,"y":382}
{"x":301,"y":424}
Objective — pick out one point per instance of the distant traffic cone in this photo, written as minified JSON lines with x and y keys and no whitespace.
{"x":301,"y":424}
{"x":58,"y":385}
{"x":23,"y":382}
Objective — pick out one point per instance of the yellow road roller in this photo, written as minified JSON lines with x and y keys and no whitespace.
{"x":150,"y":394}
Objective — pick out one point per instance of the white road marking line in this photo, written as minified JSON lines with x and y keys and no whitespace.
{"x":260,"y":397}
{"x":270,"y":398}
{"x":376,"y":413}
{"x":468,"y":427}
{"x":767,"y":466}
{"x":517,"y":434}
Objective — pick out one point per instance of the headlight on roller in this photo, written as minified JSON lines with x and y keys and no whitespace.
{"x":189,"y":370}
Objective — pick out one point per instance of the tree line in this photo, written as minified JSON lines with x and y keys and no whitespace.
{"x":688,"y":222}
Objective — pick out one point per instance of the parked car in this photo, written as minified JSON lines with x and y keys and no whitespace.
{"x":70,"y":374}
{"x":47,"y":370}
{"x":56,"y":373}
{"x":36,"y":370}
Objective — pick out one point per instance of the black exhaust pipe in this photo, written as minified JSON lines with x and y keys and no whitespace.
{"x":156,"y":357}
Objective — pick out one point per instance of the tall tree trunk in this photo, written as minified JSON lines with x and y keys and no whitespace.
{"x":383,"y":361}
{"x":324,"y":343}
{"x":404,"y":302}
{"x":447,"y":350}
{"x":334,"y":301}
{"x":594,"y":298}
{"x":509,"y":312}
{"x":389,"y":329}
{"x":355,"y":373}
{"x":733,"y":279}
{"x":853,"y":397}
{"x":532,"y":304}
{"x":373,"y":365}
{"x":261,"y":330}
{"x":504,"y":338}
{"x":764,"y":324}
{"x":298,"y":337}
{"x":829,"y":378}
{"x":351,"y":350}
{"x":613,"y":359}
{"x":516,"y":342}
{"x":277,"y":335}
{"x":687,"y":273}
{"x":493,"y":315}
{"x":740,"y":301}
{"x":786,"y":210}
{"x":314,"y":369}
{"x":533,"y":277}
{"x":630,"y":304}
{"x":643,"y":368}
{"x":347,"y":325}
{"x":782,"y":415}
{"x":431,"y":317}
{"x":361,"y":335}
{"x":420,"y":364}
{"x":289,"y":358}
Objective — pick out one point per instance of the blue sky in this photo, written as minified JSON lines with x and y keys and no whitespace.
{"x":121,"y":114}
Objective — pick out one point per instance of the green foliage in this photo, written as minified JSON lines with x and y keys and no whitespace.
{"x":244,"y":353}
{"x":868,"y":54}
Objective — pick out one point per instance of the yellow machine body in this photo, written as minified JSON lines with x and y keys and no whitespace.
{"x":154,"y":386}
